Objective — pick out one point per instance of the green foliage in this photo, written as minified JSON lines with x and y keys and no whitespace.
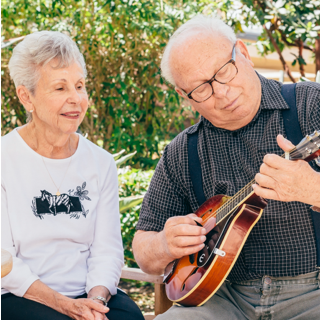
{"x":291,"y":23}
{"x":122,"y":42}
{"x":134,"y":182}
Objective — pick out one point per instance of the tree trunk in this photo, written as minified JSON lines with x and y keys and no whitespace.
{"x":301,"y":65}
{"x":284,"y":64}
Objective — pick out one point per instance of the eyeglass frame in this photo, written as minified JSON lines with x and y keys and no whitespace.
{"x":232,"y":60}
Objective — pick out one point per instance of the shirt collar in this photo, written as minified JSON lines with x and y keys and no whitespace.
{"x":271,"y":99}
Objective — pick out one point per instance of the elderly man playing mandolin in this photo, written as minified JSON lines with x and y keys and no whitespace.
{"x":237,"y":149}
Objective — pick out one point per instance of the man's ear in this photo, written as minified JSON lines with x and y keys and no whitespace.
{"x":180,"y":93}
{"x":244,"y":50}
{"x":24,"y":96}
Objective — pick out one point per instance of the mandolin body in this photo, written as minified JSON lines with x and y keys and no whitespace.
{"x":191,"y":281}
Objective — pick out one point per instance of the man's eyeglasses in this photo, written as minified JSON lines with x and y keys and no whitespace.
{"x":224,"y":75}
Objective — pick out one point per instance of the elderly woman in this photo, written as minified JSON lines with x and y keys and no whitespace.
{"x":60,"y":210}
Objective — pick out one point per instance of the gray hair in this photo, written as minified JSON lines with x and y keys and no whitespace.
{"x":36,"y":50}
{"x":199,"y":24}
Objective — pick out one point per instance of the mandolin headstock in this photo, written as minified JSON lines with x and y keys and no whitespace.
{"x":308,"y":148}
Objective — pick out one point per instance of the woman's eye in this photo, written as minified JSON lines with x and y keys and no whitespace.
{"x":59,"y":89}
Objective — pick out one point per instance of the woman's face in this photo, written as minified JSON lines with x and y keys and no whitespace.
{"x":60,"y":100}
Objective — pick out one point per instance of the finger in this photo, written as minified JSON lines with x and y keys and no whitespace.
{"x":194,"y":217}
{"x":265,"y":181}
{"x":97,"y":306}
{"x":276,"y":162}
{"x":188,"y":219}
{"x":98,"y":315}
{"x":187,"y":230}
{"x":284,"y":144}
{"x":210,"y":224}
{"x":265,"y":193}
{"x":188,"y":241}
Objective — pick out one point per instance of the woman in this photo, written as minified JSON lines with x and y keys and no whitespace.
{"x":60,"y":210}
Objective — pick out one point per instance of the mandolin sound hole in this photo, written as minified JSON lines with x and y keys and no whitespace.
{"x":208,"y":211}
{"x":191,"y":280}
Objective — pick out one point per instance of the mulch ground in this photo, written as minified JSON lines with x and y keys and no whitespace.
{"x":142,"y":293}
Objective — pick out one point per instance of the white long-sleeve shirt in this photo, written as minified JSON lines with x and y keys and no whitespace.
{"x":70,"y":242}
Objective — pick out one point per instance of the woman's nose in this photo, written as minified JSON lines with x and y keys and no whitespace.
{"x":74,"y":97}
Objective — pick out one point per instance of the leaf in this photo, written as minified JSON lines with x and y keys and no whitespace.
{"x":125,"y":158}
{"x":84,"y":185}
{"x":129,"y":202}
{"x":87,"y":198}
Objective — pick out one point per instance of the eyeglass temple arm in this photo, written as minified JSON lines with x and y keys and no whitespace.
{"x":234,"y":52}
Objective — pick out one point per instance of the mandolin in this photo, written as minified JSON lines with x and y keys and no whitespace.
{"x":194,"y":279}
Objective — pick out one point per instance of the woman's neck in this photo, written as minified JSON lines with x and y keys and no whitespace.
{"x":49,"y":144}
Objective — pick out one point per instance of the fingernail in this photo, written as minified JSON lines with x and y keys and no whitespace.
{"x":203,"y":238}
{"x":203,"y":231}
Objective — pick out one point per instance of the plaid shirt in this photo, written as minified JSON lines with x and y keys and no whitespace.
{"x":283,"y":241}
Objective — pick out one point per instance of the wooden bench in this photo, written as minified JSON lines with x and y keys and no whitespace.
{"x":162,"y":303}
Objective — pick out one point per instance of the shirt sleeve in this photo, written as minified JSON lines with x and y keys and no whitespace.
{"x":106,"y":252}
{"x":21,"y":277}
{"x":165,"y":197}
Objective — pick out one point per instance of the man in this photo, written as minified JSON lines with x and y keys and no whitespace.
{"x":240,"y":133}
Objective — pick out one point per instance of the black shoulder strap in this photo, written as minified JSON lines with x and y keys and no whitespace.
{"x":195,"y":167}
{"x":290,"y":116}
{"x":294,"y":134}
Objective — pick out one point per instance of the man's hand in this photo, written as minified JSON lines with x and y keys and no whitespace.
{"x":181,"y":236}
{"x":285,"y":180}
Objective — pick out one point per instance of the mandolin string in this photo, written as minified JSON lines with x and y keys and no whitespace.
{"x":237,"y":197}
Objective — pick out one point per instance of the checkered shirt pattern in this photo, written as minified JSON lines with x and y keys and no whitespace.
{"x":283,"y":241}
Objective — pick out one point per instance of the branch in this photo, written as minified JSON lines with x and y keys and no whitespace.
{"x":284,"y":64}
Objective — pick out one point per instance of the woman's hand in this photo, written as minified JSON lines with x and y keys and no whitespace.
{"x":102,"y":292}
{"x":78,"y":309}
{"x":98,"y":315}
{"x":85,"y":309}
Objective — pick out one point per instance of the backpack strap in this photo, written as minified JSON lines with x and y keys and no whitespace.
{"x":195,"y":167}
{"x":294,"y":134}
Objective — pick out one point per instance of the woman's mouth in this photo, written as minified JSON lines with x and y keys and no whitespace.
{"x":71,"y":115}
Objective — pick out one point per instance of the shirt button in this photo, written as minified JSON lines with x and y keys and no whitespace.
{"x":267,"y":280}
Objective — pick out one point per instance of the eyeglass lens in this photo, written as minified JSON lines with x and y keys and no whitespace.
{"x":224,"y":75}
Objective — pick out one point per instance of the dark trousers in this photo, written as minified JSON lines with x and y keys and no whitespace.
{"x":16,"y":308}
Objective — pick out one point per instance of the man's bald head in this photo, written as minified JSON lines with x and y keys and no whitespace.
{"x":198,"y":27}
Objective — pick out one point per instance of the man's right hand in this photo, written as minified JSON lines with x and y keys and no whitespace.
{"x":182,"y":236}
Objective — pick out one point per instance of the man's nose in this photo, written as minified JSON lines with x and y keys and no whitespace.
{"x":219,"y":90}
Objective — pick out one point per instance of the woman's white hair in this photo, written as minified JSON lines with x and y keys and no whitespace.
{"x":36,"y":50}
{"x":199,"y":24}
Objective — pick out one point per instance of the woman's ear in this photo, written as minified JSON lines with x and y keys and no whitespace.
{"x":24,"y":96}
{"x":244,"y":50}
